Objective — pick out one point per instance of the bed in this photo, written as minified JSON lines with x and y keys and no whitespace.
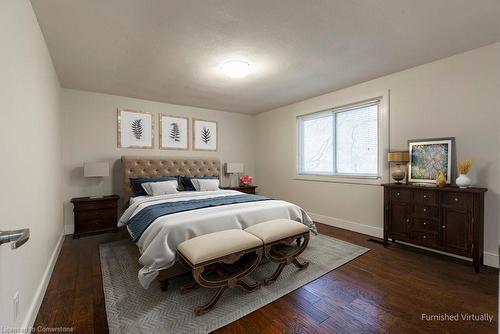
{"x":158,"y":239}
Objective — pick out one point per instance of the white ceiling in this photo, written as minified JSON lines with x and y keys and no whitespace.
{"x":170,"y":50}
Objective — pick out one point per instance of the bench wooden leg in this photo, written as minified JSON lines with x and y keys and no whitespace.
{"x":164,"y":285}
{"x":248,"y":287}
{"x":201,"y":309}
{"x":228,"y":277}
{"x":189,"y":287}
{"x":276,"y":274}
{"x":282,"y":260}
{"x":300,"y":265}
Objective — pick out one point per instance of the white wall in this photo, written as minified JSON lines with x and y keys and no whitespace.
{"x":30,"y":151}
{"x":89,"y":133}
{"x":455,"y":97}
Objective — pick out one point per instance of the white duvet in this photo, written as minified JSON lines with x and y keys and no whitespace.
{"x":159,"y":241}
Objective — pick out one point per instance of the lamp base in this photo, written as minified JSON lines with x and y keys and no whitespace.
{"x":398,"y":174}
{"x":233,"y":180}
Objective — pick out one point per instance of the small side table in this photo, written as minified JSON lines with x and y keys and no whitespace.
{"x":95,"y":215}
{"x":243,"y":189}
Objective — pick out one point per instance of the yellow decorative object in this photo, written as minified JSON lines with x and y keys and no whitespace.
{"x":464,"y":166}
{"x":441,"y":179}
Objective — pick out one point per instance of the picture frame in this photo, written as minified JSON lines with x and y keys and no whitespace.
{"x":428,"y":157}
{"x":174,"y":132}
{"x":135,"y":129}
{"x":205,"y":135}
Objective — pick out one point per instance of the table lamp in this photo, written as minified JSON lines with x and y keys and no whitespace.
{"x":233,"y":169}
{"x":398,"y":174}
{"x":97,"y":170}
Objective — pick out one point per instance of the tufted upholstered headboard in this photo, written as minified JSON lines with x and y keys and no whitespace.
{"x":159,"y":166}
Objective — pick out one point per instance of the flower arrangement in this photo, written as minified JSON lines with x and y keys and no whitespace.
{"x":245,"y":180}
{"x":464,"y":166}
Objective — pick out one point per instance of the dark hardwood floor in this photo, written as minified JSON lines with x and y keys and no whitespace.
{"x":383,"y":291}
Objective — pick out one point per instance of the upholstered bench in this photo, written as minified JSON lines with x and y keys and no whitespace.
{"x":220,"y":260}
{"x":277,"y":235}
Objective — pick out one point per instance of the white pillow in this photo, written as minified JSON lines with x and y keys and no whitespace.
{"x":207,"y":184}
{"x":160,"y":188}
{"x":196,"y":185}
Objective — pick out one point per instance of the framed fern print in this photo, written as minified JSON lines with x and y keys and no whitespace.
{"x":204,"y":135}
{"x":174,"y":132}
{"x":135,"y":129}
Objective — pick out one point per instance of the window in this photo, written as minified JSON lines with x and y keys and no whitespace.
{"x":340,"y":142}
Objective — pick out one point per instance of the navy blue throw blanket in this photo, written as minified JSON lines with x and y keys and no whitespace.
{"x":141,"y":221}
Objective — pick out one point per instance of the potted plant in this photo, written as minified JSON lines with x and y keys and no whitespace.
{"x":464,"y":167}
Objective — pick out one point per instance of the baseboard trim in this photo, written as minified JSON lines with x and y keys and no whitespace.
{"x":69,"y":229}
{"x":489,"y":259}
{"x":29,"y":320}
{"x":348,"y":225}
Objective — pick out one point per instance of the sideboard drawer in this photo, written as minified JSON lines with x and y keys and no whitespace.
{"x":425,"y":211}
{"x":426,"y":225}
{"x":457,"y":200}
{"x":425,"y":197}
{"x":402,"y":195}
{"x":427,"y":239}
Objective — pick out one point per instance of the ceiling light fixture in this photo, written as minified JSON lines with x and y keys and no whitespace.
{"x":235,"y":68}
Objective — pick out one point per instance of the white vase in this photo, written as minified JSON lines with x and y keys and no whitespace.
{"x":463,"y":181}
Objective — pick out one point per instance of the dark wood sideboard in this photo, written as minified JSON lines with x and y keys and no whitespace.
{"x":449,"y":219}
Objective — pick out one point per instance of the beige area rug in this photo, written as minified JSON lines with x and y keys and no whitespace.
{"x":131,"y":309}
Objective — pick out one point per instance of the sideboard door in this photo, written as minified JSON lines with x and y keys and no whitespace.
{"x":457,"y":231}
{"x":399,"y":219}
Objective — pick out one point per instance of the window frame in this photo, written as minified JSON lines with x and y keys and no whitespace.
{"x":382,"y":144}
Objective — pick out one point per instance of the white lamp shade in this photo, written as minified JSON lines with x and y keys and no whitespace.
{"x":91,"y":169}
{"x":234,"y":167}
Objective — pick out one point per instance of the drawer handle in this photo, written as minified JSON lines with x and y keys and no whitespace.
{"x":425,"y":196}
{"x":425,"y":210}
{"x":398,"y":194}
{"x":425,"y":223}
{"x":444,"y":226}
{"x":425,"y":237}
{"x":456,"y":199}
{"x":408,"y":220}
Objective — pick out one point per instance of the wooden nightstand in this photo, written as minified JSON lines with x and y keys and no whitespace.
{"x":243,"y":189}
{"x":93,"y":215}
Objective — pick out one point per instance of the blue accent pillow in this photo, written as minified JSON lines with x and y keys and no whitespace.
{"x":136,"y":183}
{"x":188,"y":185}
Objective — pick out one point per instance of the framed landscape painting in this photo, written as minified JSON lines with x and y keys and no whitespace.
{"x":428,"y":157}
{"x":135,"y":129}
{"x":174,"y":132}
{"x":204,"y":135}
